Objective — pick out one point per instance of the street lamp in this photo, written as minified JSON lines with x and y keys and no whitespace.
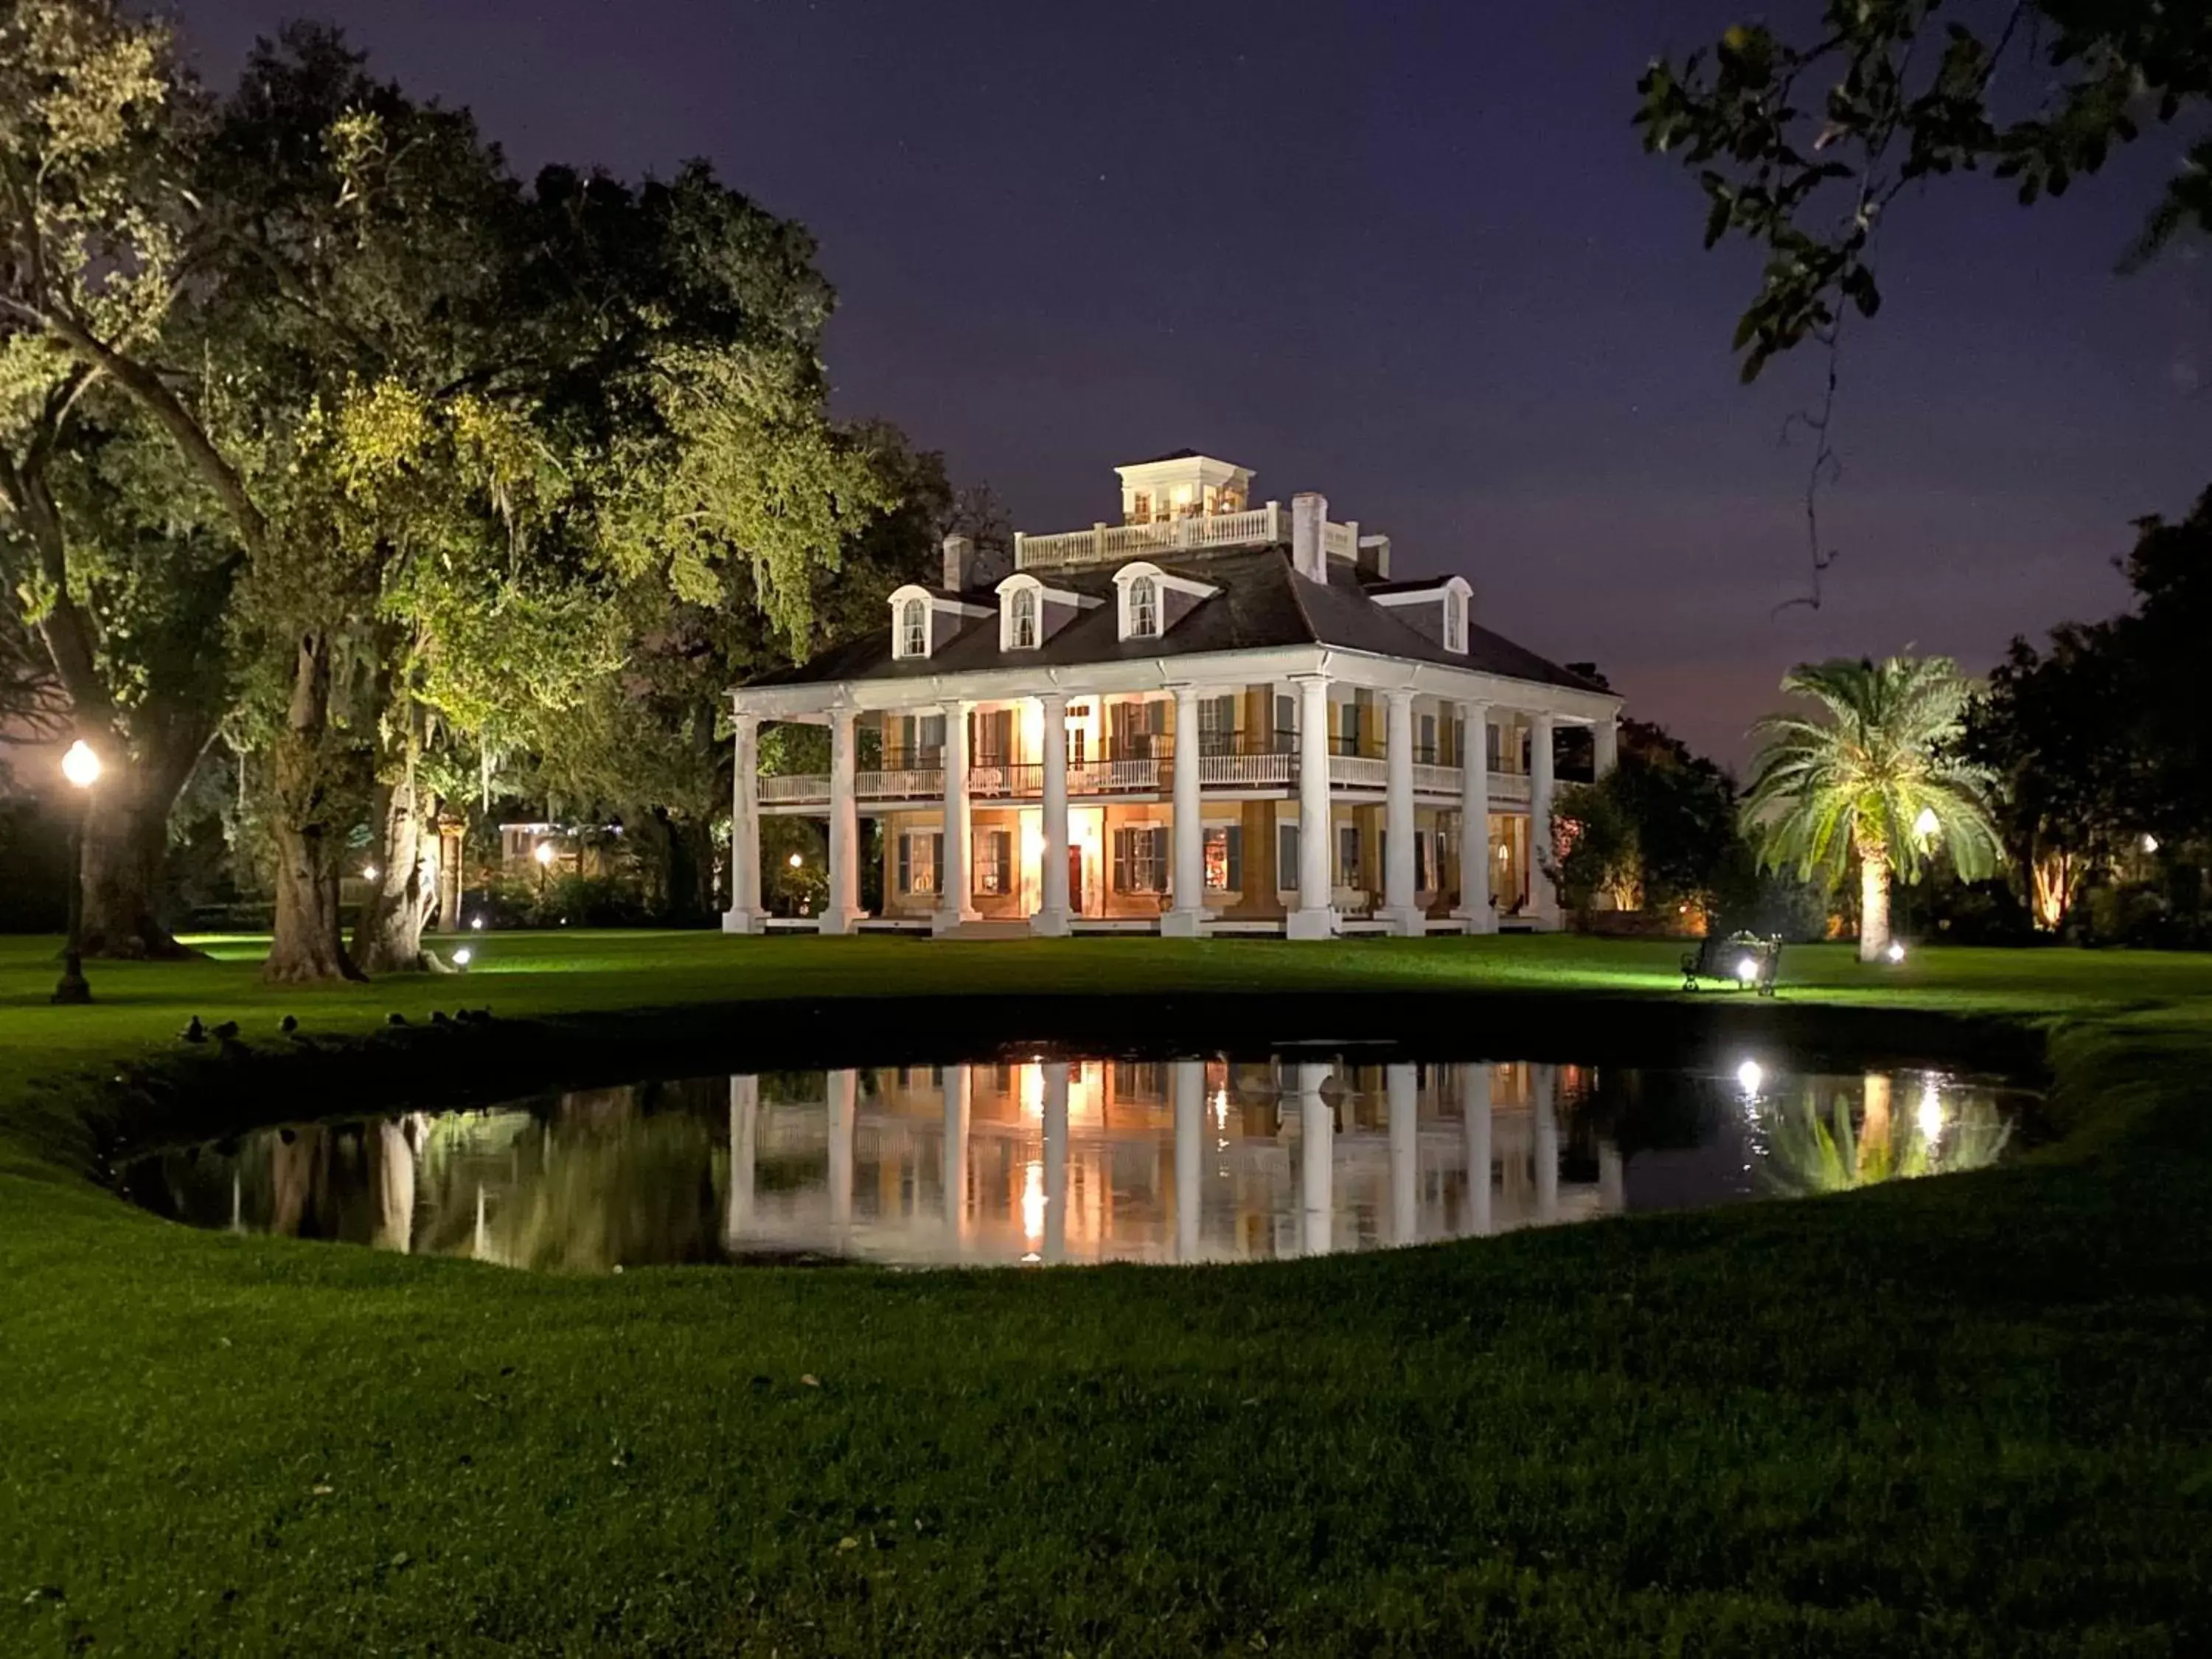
{"x":81,"y":766}
{"x":544,"y":856}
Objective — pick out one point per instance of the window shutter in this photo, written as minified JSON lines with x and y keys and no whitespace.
{"x":1235,"y":859}
{"x":906,"y":863}
{"x":936,"y":861}
{"x":1286,"y":855}
{"x":1121,"y":861}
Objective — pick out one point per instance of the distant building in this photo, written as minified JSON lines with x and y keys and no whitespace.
{"x":1212,"y":717}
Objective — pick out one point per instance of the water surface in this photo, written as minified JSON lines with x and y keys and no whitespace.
{"x":1034,"y":1159}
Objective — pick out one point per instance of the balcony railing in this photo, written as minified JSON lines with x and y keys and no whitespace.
{"x":1110,"y":544}
{"x":1152,"y":775}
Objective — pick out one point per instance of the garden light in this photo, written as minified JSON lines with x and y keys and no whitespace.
{"x":544,"y":853}
{"x":80,"y":765}
{"x":461,"y":957}
{"x":1749,"y":1076}
{"x":370,"y":874}
{"x":477,"y":922}
{"x":2150,"y":843}
{"x":1926,"y":825}
{"x":796,"y":861}
{"x":1896,"y":951}
{"x":1747,"y":970}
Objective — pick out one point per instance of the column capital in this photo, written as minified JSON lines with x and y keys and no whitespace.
{"x":1053,"y":700}
{"x":1402,"y":696}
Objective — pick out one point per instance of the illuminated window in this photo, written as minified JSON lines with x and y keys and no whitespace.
{"x":994,"y":861}
{"x":1144,"y":608}
{"x":1141,"y":860}
{"x":1025,"y":619}
{"x":1224,"y":858}
{"x":1140,"y":507}
{"x":921,"y":851}
{"x":913,"y":629}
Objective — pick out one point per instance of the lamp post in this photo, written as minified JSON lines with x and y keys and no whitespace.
{"x":81,"y":766}
{"x":544,"y":855}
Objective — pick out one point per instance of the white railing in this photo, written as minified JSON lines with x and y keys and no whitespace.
{"x":1106,"y":544}
{"x":1246,"y":771}
{"x":793,"y":787}
{"x":1358,"y":772}
{"x":1509,"y":786}
{"x":999,"y":782}
{"x":1116,"y":777}
{"x":1435,"y":781}
{"x":908,"y":783}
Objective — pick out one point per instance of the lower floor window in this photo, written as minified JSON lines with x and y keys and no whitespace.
{"x":1224,"y":858}
{"x":1348,"y":855}
{"x":921,"y":853}
{"x":1141,"y":860}
{"x":995,"y":860}
{"x":1286,"y":856}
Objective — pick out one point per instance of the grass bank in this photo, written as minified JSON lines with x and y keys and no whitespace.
{"x":1964,"y":1416}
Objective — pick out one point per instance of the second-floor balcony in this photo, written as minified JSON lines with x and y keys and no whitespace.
{"x":1137,"y":777}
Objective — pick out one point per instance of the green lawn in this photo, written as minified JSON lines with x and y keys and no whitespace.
{"x":1966,"y":1416}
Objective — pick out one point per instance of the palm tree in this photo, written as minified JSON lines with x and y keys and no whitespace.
{"x":1879,"y":779}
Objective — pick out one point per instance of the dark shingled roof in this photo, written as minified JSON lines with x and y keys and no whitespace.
{"x":1262,"y":602}
{"x":1172,"y":455}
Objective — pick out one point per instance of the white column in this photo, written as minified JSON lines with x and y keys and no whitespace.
{"x":1543,"y":897}
{"x":1051,"y":918}
{"x":842,"y":913}
{"x":744,"y":914}
{"x":1316,"y":916}
{"x":1317,"y":1161}
{"x":1189,"y":1154}
{"x":1187,"y":919}
{"x":1475,"y":912}
{"x":844,"y":1113}
{"x":1401,"y":910}
{"x":1545,"y":1110}
{"x":1476,"y":1095}
{"x":955,"y":903}
{"x":957,"y":1083}
{"x":1055,"y":1160}
{"x":744,"y":1158}
{"x":1604,"y":745}
{"x":1399,"y":1088}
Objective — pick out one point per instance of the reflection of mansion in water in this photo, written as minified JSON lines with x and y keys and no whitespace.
{"x":1218,"y":715}
{"x":1036,"y":1160}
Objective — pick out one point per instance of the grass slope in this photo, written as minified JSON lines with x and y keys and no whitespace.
{"x":1965,"y":1416}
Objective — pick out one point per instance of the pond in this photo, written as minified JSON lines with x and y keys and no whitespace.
{"x":1077,"y":1160}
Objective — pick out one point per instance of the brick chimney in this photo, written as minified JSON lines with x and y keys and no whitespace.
{"x":1309,"y":551}
{"x":959,"y":563}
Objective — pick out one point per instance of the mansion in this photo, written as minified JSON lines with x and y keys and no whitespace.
{"x":1213,"y":717}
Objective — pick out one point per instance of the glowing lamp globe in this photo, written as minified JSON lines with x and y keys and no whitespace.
{"x":1926,"y":824}
{"x":544,"y":853}
{"x":81,"y":766}
{"x":1749,"y":1076}
{"x":1896,"y":951}
{"x":461,"y":957}
{"x":796,"y":861}
{"x":1748,"y":970}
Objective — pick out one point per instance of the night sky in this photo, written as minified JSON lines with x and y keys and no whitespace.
{"x":1411,"y":257}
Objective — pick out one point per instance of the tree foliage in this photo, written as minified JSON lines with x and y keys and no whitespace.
{"x":1656,"y":833}
{"x":1876,"y":777}
{"x":1802,"y":146}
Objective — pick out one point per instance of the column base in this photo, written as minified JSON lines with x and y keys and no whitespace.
{"x":745,"y":921}
{"x":1310,"y":924}
{"x":841,"y":921}
{"x":1406,"y":922}
{"x":1183,"y":924}
{"x":1484,"y":921}
{"x":1049,"y":924}
{"x":946,"y":921}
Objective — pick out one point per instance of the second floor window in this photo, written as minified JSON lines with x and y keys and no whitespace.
{"x":1144,"y":608}
{"x":913,"y":630}
{"x":1025,"y":619}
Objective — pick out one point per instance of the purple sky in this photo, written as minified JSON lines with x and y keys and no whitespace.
{"x":1407,"y":257}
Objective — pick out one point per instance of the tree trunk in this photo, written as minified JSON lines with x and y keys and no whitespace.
{"x":1873,"y":902}
{"x":388,"y":936}
{"x":310,"y":831}
{"x":126,"y":835}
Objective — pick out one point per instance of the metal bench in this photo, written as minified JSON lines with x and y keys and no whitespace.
{"x":1737,"y":960}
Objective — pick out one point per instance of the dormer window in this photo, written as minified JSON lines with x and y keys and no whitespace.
{"x":913,"y":629}
{"x":1022,"y":624}
{"x":1144,"y":609}
{"x":1455,"y":619}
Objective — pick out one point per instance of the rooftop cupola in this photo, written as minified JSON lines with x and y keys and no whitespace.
{"x":1182,"y":485}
